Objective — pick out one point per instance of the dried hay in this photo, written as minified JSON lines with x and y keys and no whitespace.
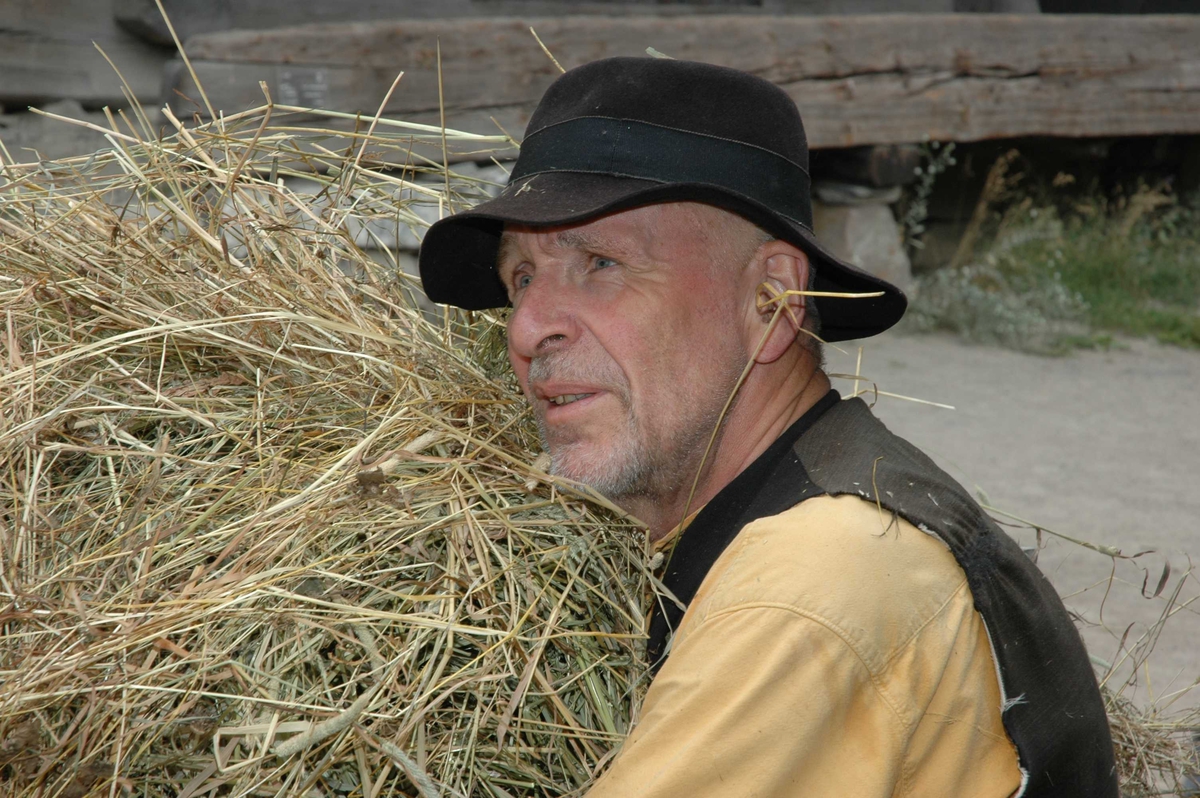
{"x":267,"y":527}
{"x":1157,"y":743}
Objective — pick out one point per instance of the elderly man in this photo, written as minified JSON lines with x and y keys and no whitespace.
{"x":854,"y":624}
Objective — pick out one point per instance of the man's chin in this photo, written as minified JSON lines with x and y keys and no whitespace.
{"x":613,"y":477}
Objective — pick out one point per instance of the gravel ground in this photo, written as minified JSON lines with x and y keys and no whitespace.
{"x":1103,"y":446}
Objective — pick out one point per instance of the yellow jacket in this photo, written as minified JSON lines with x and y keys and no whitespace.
{"x":832,"y":650}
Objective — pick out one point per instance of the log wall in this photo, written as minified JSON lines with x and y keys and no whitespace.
{"x":193,"y":17}
{"x":857,"y":80}
{"x":47,"y":54}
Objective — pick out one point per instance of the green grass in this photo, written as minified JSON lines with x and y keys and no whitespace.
{"x":1054,"y":275}
{"x":1137,"y":275}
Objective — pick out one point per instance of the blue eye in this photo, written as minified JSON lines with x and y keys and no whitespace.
{"x":522,"y":280}
{"x":603,"y":263}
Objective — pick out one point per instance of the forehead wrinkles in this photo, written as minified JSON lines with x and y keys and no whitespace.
{"x":515,"y":242}
{"x":592,"y":241}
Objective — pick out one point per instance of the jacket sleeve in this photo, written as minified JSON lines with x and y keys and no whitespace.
{"x":761,"y":701}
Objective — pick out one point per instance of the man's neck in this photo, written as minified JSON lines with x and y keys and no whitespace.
{"x":754,"y":423}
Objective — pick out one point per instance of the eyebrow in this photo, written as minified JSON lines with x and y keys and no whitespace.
{"x":505,"y":251}
{"x":564,"y":239}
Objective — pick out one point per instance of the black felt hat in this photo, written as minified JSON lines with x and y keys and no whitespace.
{"x":625,"y":132}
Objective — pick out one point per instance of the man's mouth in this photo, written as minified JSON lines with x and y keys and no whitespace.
{"x":568,"y":398}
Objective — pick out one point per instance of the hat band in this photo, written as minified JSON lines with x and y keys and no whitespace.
{"x":628,"y":148}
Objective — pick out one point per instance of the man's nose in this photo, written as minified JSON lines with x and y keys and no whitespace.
{"x":544,"y":319}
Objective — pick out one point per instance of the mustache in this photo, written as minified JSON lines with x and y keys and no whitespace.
{"x":572,"y":368}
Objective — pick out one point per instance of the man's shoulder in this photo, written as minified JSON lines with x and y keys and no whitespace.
{"x":847,"y":563}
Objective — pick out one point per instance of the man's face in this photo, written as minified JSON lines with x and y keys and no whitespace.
{"x":625,"y":336}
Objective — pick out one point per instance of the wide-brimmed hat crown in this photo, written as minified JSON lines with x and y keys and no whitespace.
{"x":625,"y":132}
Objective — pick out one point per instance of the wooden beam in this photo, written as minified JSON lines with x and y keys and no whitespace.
{"x":46,"y":54}
{"x":193,"y":17}
{"x":857,"y":80}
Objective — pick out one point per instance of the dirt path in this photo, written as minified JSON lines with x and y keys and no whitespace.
{"x":1103,"y":446}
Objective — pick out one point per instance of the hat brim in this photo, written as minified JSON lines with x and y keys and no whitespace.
{"x":458,"y":254}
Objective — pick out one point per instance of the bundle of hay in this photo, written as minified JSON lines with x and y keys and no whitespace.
{"x":265,"y":527}
{"x":269,"y":527}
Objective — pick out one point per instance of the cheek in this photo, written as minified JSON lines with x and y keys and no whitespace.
{"x":655,"y":359}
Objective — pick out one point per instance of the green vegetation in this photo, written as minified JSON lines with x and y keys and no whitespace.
{"x":1050,"y":269}
{"x":1138,"y":270}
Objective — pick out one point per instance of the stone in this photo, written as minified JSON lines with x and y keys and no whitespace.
{"x":833,"y":192}
{"x":866,"y":236}
{"x":473,"y":182}
{"x":32,"y":137}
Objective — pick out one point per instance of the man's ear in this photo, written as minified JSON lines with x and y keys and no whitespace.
{"x":782,"y":271}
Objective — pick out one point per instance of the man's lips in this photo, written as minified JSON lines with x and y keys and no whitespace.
{"x":557,"y":398}
{"x":569,"y":398}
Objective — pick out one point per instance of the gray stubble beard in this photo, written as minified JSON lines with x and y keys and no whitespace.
{"x":639,"y":468}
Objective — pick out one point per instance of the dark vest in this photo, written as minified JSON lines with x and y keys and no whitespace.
{"x":1053,"y":711}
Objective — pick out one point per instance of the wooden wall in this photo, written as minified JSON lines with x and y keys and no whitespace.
{"x":872,"y":79}
{"x":917,"y":73}
{"x":47,"y":54}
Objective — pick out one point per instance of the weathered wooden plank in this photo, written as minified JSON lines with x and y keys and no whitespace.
{"x":193,"y":17}
{"x":235,"y":87}
{"x":46,"y":54}
{"x":858,"y":80}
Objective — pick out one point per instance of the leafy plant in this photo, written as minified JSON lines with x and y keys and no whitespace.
{"x":936,"y":159}
{"x":1055,"y":267}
